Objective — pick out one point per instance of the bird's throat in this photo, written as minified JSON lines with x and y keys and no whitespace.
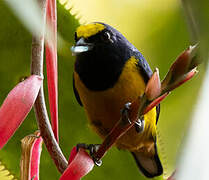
{"x":97,"y":73}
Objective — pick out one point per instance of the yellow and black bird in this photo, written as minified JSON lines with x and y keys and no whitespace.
{"x":109,"y":72}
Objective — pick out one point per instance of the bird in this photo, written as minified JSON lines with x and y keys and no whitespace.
{"x":109,"y":72}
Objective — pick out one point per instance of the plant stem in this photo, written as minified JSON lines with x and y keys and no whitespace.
{"x":47,"y":133}
{"x":40,"y":106}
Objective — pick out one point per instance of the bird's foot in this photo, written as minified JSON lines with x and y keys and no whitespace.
{"x":125,"y":113}
{"x":139,"y":125}
{"x":93,"y":148}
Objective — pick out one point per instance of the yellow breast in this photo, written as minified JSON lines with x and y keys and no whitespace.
{"x":103,"y":107}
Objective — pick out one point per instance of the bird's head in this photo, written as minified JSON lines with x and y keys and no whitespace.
{"x":100,"y":40}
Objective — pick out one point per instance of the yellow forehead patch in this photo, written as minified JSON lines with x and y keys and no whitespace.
{"x":89,"y":30}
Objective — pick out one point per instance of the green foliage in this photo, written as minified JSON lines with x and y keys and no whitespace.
{"x":163,"y":45}
{"x":15,"y":53}
{"x":15,"y":60}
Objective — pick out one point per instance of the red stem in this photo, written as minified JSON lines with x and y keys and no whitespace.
{"x":51,"y":65}
{"x":155,"y":102}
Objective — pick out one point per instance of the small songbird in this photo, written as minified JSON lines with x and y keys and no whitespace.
{"x":109,"y":72}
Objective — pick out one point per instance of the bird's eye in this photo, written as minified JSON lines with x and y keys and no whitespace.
{"x":106,"y":37}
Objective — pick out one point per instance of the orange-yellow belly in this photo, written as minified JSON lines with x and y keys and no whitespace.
{"x":103,"y":107}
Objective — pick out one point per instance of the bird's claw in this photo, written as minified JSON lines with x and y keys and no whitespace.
{"x":125,"y":113}
{"x":139,"y":125}
{"x":93,"y":148}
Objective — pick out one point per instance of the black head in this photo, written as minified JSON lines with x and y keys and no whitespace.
{"x":101,"y":52}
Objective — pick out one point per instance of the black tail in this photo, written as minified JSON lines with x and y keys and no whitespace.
{"x":149,"y":166}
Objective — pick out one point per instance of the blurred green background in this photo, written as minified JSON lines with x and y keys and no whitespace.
{"x":157,"y":28}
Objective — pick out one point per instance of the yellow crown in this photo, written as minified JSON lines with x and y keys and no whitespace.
{"x":89,"y":30}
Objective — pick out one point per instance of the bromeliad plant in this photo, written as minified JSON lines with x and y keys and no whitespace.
{"x":29,"y":93}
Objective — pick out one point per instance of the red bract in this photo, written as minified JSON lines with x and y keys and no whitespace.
{"x":35,"y":158}
{"x":17,"y":105}
{"x":80,"y":164}
{"x":51,"y":65}
{"x":153,"y":88}
{"x":31,"y":146}
{"x":183,"y":79}
{"x":183,"y":64}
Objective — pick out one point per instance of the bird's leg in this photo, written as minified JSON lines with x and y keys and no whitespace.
{"x":92,"y":150}
{"x":130,"y":111}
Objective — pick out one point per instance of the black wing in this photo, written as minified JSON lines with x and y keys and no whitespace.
{"x":144,"y":67}
{"x":76,"y":93}
{"x":158,"y":112}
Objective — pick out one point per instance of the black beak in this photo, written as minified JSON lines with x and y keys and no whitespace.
{"x":81,"y":46}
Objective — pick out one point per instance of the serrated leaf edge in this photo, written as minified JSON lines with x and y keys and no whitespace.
{"x":4,"y":169}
